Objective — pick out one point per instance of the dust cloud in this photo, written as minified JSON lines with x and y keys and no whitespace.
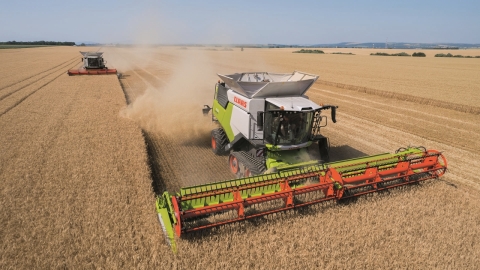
{"x":175,"y":107}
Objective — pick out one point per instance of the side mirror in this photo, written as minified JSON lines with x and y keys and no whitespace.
{"x":260,"y":120}
{"x":334,"y":113}
{"x":206,"y":109}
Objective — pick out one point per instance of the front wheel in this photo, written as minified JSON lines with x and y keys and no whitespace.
{"x":234,"y":164}
{"x":218,"y":141}
{"x":247,"y":173}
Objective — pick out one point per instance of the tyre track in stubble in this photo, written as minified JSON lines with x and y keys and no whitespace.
{"x":462,"y":166}
{"x":370,"y":101}
{"x":416,"y":121}
{"x":374,"y":132}
{"x":57,"y":68}
{"x":36,"y":74}
{"x":406,"y":97}
{"x":16,"y":103}
{"x":176,"y":160}
{"x":139,"y":69}
{"x":161,"y":170}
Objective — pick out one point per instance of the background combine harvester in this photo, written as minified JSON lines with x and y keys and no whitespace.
{"x":268,"y":126}
{"x":93,"y":64}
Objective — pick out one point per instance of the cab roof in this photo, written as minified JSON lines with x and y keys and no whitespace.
{"x":294,"y":103}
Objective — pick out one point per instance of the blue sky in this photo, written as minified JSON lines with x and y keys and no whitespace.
{"x":260,"y":22}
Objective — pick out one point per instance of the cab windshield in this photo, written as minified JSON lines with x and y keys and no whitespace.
{"x":287,"y":128}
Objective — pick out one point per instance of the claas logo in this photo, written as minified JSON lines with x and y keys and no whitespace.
{"x":240,"y":102}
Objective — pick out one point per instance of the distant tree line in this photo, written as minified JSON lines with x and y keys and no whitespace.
{"x":443,"y":48}
{"x":419,"y":54}
{"x":308,"y":51}
{"x":41,"y":42}
{"x":458,"y":55}
{"x":343,"y":53}
{"x":391,"y":54}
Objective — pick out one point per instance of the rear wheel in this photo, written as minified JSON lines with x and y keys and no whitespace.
{"x":234,"y":164}
{"x":323,"y":148}
{"x":247,"y":173}
{"x":218,"y":141}
{"x":242,"y":164}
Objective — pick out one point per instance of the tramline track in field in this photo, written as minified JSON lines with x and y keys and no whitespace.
{"x":36,"y":74}
{"x":402,"y":97}
{"x":420,"y":120}
{"x":5,"y":107}
{"x":153,"y":79}
{"x":55,"y":69}
{"x":358,"y":99}
{"x":463,"y":164}
{"x":173,"y":158}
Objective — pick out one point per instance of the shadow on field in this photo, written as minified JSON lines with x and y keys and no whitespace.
{"x":201,"y":141}
{"x":260,"y":223}
{"x":281,"y":218}
{"x":158,"y":184}
{"x":343,"y":152}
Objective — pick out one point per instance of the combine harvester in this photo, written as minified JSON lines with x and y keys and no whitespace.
{"x":93,"y":64}
{"x":268,"y":127}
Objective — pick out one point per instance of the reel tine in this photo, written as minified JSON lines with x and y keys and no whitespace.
{"x":221,"y":203}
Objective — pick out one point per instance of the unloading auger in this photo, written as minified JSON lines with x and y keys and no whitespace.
{"x":269,"y":128}
{"x":204,"y":206}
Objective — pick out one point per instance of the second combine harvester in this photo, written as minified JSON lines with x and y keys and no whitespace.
{"x":93,"y":64}
{"x":271,"y":132}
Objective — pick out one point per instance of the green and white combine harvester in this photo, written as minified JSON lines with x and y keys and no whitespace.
{"x":271,"y":132}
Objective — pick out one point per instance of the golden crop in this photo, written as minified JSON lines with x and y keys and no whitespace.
{"x":81,"y":158}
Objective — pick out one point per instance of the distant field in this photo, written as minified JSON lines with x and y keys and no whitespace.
{"x":446,"y":79}
{"x":428,"y":52}
{"x":390,"y":230}
{"x":82,"y":158}
{"x":32,"y":65}
{"x":74,"y":173}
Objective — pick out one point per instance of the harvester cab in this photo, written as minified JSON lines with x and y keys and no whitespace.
{"x":266,"y":124}
{"x":93,"y":64}
{"x":93,"y":60}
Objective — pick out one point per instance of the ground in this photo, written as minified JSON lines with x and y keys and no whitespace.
{"x":82,"y":157}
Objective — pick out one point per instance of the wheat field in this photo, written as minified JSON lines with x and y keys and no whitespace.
{"x":82,"y":158}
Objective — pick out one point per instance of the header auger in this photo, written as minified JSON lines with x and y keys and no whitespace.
{"x":204,"y":206}
{"x":269,"y":127}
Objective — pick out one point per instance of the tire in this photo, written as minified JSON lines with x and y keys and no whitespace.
{"x":234,"y":164}
{"x":247,"y":173}
{"x":323,"y":148}
{"x":218,"y":141}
